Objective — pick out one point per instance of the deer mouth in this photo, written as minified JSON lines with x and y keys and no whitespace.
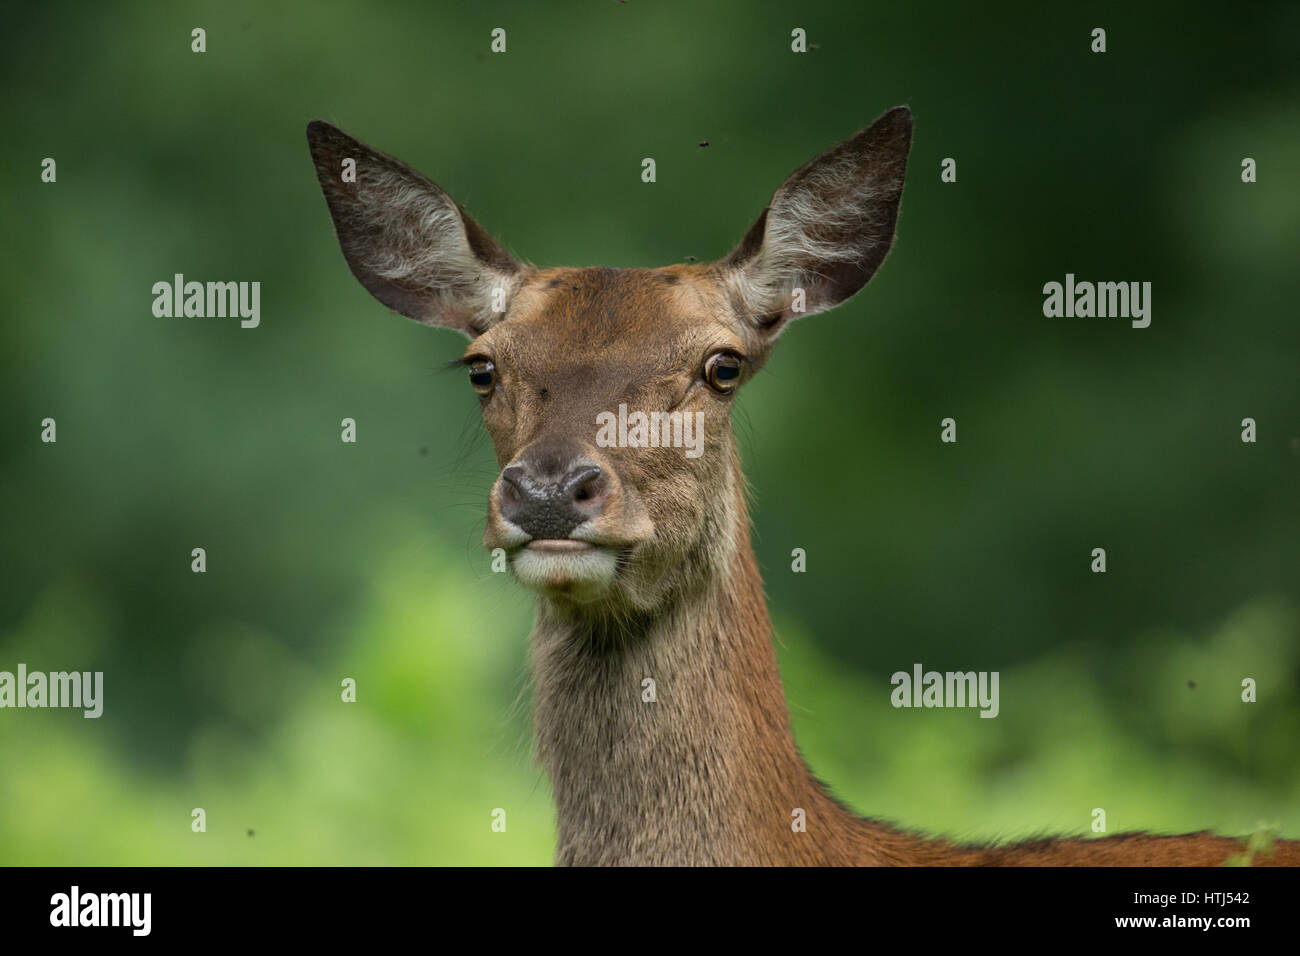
{"x":565,"y":568}
{"x":559,"y":546}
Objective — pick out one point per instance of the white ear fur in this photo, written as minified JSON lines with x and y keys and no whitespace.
{"x":827,"y":228}
{"x":407,"y":241}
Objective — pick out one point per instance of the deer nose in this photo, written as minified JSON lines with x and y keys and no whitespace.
{"x":548,"y":509}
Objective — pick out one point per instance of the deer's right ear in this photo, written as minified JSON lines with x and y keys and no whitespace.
{"x":406,"y":240}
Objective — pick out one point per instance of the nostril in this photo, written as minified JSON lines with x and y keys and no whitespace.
{"x":512,"y":486}
{"x":585,"y":485}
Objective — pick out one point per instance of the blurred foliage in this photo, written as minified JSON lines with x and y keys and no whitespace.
{"x":328,"y":560}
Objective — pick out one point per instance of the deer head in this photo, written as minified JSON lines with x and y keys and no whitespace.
{"x":602,"y":511}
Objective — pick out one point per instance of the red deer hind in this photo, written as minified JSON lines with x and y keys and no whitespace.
{"x":638,"y":547}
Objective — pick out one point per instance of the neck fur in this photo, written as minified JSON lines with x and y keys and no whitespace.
{"x":709,"y":771}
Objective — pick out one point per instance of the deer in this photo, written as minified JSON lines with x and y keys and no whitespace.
{"x":638,"y":554}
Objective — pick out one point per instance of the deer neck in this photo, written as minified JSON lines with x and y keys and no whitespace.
{"x":667,"y":739}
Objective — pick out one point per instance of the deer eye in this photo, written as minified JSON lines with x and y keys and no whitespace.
{"x":483,"y":376}
{"x":722,"y":371}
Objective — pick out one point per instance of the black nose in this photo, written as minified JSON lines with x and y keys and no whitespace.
{"x":546,"y":508}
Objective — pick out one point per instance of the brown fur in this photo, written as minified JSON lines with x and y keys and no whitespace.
{"x":709,"y":773}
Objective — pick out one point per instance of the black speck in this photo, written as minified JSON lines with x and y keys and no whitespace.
{"x":250,"y":832}
{"x":1191,"y":684}
{"x":704,"y":142}
{"x":690,"y":259}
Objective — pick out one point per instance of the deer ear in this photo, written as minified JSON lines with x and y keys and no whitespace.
{"x":406,"y":240}
{"x":827,"y":228}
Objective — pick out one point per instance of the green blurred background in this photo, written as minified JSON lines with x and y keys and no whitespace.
{"x":328,"y":560}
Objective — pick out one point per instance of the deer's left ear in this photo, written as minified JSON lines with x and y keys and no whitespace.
{"x":826,"y":230}
{"x":406,"y":240}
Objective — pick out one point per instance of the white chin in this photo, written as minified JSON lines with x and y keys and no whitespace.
{"x":579,"y":576}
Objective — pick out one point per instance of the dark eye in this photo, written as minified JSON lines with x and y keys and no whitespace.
{"x":722,"y":371}
{"x":483,"y":376}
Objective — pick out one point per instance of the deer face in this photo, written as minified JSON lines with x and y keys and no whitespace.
{"x":607,"y":392}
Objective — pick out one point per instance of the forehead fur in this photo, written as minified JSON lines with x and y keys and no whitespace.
{"x":648,"y":315}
